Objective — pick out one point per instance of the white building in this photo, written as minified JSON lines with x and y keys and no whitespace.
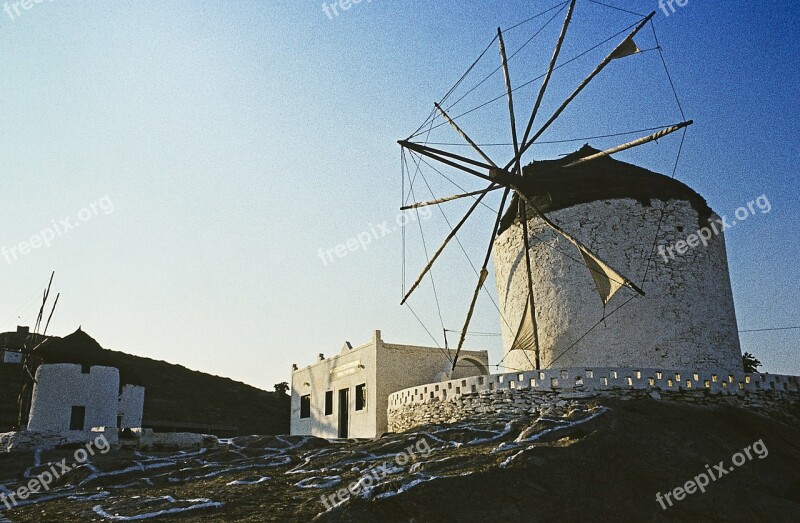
{"x":73,"y":397}
{"x":12,"y":357}
{"x":12,"y":343}
{"x":347,"y":395}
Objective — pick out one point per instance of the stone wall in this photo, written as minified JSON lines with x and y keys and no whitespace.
{"x":686,"y":319}
{"x":527,"y":392}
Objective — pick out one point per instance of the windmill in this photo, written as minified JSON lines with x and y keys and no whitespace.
{"x":508,"y":177}
{"x":31,"y":358}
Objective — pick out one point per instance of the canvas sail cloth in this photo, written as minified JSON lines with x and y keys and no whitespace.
{"x":525,"y":338}
{"x":627,"y":48}
{"x":607,"y":280}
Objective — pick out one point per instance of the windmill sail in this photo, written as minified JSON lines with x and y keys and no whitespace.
{"x":627,"y":48}
{"x":607,"y":281}
{"x":526,"y":334}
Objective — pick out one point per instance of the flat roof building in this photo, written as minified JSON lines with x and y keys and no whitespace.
{"x":346,"y":396}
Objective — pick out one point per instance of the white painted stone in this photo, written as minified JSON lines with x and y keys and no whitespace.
{"x":131,"y":406}
{"x":686,"y":320}
{"x":553,"y":390}
{"x":59,"y":387}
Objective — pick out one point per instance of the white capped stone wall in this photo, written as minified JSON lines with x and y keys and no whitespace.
{"x":61,"y":386}
{"x":527,"y":392}
{"x":686,"y":320}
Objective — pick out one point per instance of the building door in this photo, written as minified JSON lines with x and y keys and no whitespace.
{"x":344,"y":412}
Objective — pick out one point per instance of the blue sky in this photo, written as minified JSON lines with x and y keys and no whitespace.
{"x":223,"y":144}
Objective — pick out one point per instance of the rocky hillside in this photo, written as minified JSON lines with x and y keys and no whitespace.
{"x":604,"y":460}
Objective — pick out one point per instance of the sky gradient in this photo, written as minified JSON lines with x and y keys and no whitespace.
{"x":208,"y":152}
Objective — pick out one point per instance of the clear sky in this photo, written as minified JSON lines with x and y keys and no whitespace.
{"x":209,"y":150}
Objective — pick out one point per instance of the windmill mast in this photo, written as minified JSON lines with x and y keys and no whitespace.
{"x":30,"y":359}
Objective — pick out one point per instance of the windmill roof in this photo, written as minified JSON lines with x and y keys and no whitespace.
{"x":552,"y":186}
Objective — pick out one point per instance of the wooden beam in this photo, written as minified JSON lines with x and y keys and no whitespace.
{"x":495,"y":175}
{"x":607,"y":60}
{"x":635,"y":143}
{"x":441,"y":249}
{"x":464,"y":135}
{"x":420,"y":148}
{"x":481,"y":278}
{"x":550,"y":70}
{"x":509,"y":94}
{"x":523,"y":216}
{"x":491,"y":188}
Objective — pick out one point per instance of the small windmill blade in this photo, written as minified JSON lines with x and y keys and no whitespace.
{"x":601,"y":270}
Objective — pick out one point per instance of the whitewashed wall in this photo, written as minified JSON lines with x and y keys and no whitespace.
{"x":131,"y":406}
{"x":385,"y":368}
{"x":61,"y":386}
{"x":686,"y":320}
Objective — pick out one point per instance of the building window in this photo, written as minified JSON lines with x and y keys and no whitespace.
{"x":78,"y":418}
{"x":361,"y":396}
{"x":305,"y":406}
{"x":329,"y":403}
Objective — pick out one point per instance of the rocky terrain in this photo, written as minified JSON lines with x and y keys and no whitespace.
{"x":604,"y":460}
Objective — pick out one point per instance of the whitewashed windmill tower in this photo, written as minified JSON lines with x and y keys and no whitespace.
{"x":585,"y":225}
{"x":686,"y":319}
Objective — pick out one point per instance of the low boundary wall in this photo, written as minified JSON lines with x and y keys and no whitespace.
{"x":519,"y":392}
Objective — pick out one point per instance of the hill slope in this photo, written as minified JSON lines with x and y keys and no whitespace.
{"x":605,"y":460}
